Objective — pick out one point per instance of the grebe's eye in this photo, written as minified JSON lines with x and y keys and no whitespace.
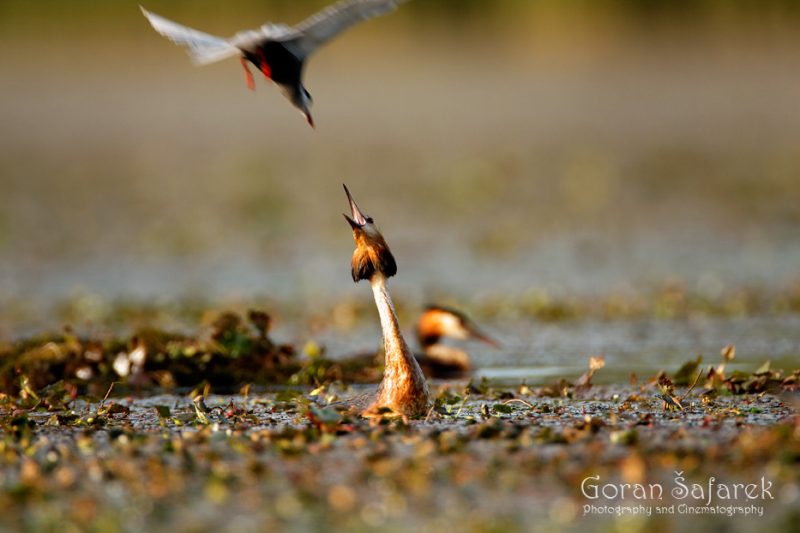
{"x":369,"y":220}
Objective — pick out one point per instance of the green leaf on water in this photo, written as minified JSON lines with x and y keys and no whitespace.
{"x":287,"y":395}
{"x":325,"y":415}
{"x":502,"y":408}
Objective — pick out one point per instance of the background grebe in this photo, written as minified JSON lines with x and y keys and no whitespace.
{"x":277,"y":50}
{"x":441,"y":360}
{"x":403,"y":388}
{"x":437,"y":357}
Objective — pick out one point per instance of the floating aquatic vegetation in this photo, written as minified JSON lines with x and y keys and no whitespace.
{"x":234,"y":351}
{"x":82,"y":453}
{"x":479,"y":447}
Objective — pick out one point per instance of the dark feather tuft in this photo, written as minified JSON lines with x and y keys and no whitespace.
{"x":372,"y":259}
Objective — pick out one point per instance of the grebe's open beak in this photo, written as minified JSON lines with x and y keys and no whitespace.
{"x":358,"y":219}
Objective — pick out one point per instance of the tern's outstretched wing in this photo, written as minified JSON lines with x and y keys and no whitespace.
{"x":323,"y":26}
{"x":202,"y":47}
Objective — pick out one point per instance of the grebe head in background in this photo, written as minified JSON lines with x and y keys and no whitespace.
{"x":439,"y":322}
{"x":441,"y":360}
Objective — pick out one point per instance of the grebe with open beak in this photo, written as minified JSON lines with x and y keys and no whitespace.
{"x":403,"y":389}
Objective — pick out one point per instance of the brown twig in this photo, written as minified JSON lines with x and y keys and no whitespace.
{"x":685,"y":394}
{"x":108,"y":392}
{"x":528,"y":404}
{"x":33,"y":408}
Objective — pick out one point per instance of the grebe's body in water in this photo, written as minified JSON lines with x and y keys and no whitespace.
{"x":403,"y":389}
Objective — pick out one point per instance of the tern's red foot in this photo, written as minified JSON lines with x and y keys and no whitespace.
{"x":251,"y":83}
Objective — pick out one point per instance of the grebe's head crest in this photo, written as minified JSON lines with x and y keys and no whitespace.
{"x":372,"y":255}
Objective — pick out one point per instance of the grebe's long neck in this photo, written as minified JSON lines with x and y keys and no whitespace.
{"x":393,"y":339}
{"x":403,"y":388}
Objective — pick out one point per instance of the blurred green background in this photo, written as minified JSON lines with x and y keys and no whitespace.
{"x":501,"y":145}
